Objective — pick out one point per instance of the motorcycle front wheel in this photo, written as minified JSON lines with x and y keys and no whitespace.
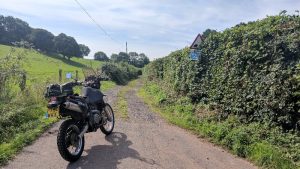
{"x":70,"y":146}
{"x":109,"y":124}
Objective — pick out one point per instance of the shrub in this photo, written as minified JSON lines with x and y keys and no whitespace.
{"x":20,"y":105}
{"x":248,"y":70}
{"x":121,"y":73}
{"x":11,"y":75}
{"x":264,"y":144}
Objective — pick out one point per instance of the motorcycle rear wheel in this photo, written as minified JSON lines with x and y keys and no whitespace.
{"x":109,"y":125}
{"x":68,"y":136}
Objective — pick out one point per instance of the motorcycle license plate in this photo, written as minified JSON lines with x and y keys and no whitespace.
{"x":53,"y":113}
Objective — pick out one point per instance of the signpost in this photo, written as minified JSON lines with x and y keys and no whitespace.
{"x":195,"y":52}
{"x":69,"y":75}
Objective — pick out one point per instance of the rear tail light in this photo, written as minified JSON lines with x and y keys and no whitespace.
{"x":53,"y":99}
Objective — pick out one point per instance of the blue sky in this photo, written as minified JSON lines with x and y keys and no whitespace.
{"x":154,"y":27}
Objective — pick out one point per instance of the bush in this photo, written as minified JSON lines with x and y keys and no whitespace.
{"x":21,"y":107}
{"x":248,"y":70}
{"x":121,"y":73}
{"x":19,"y":104}
{"x":11,"y":75}
{"x":265,"y":145}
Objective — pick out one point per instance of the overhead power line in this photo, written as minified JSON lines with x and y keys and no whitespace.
{"x":97,"y":24}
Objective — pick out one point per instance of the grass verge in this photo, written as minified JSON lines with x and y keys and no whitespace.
{"x":265,"y":146}
{"x":10,"y":148}
{"x":107,"y":85}
{"x":121,"y":103}
{"x":18,"y":136}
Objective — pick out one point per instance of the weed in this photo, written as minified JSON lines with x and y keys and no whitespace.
{"x":121,"y":103}
{"x":264,"y":145}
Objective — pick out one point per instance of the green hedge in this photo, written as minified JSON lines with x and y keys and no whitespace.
{"x":248,"y":70}
{"x":121,"y":73}
{"x":266,"y":146}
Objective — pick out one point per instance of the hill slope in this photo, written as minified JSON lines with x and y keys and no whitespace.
{"x":40,"y":66}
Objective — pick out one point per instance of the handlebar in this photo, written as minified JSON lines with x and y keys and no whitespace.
{"x":78,"y":83}
{"x":87,"y":82}
{"x":73,"y":83}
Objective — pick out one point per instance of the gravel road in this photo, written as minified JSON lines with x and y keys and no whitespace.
{"x":142,"y":141}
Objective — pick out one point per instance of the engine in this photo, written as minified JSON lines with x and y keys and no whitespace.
{"x":95,"y":119}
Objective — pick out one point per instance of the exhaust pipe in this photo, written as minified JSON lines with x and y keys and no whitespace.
{"x":86,"y":127}
{"x":72,"y":106}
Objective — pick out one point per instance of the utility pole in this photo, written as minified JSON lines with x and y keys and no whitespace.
{"x":126,"y":48}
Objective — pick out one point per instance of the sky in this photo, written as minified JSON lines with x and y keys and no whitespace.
{"x":155,"y":27}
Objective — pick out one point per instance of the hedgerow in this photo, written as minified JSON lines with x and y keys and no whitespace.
{"x":21,"y":107}
{"x":249,"y":71}
{"x":266,"y":146}
{"x":121,"y":73}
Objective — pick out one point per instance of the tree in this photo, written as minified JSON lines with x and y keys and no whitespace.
{"x":207,"y":32}
{"x":124,"y":57}
{"x":13,"y":30}
{"x":121,"y":57}
{"x":142,"y":60}
{"x":101,"y":56}
{"x":133,"y":57}
{"x":138,"y":60}
{"x":42,"y":39}
{"x":114,"y":57}
{"x":84,"y":50}
{"x":2,"y":30}
{"x":66,"y":45}
{"x":133,"y":54}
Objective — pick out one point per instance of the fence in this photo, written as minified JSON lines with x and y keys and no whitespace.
{"x":62,"y":73}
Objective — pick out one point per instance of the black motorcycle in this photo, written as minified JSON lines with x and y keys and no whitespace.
{"x":85,"y":113}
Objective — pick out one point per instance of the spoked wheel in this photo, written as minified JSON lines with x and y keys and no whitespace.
{"x":70,"y":146}
{"x":109,"y":123}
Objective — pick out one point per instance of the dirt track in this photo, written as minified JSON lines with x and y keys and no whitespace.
{"x":142,"y":141}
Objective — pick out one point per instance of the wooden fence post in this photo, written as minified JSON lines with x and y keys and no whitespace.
{"x":76,"y":75}
{"x":60,"y":75}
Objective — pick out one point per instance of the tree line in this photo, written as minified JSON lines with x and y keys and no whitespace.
{"x":132,"y":58}
{"x":17,"y":32}
{"x":14,"y":31}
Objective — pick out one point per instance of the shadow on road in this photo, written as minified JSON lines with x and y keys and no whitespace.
{"x":109,"y":156}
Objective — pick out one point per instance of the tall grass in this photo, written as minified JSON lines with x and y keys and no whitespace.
{"x":265,"y":145}
{"x":40,"y":67}
{"x":121,"y":103}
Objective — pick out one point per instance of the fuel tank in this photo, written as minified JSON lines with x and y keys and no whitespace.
{"x":93,"y":96}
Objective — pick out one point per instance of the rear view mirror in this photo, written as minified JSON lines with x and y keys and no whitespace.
{"x":68,"y":75}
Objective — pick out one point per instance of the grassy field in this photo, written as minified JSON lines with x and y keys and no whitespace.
{"x":45,"y":68}
{"x":21,"y":117}
{"x":40,"y":66}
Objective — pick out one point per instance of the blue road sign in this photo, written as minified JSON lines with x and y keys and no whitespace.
{"x":69,"y":75}
{"x":194,"y":54}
